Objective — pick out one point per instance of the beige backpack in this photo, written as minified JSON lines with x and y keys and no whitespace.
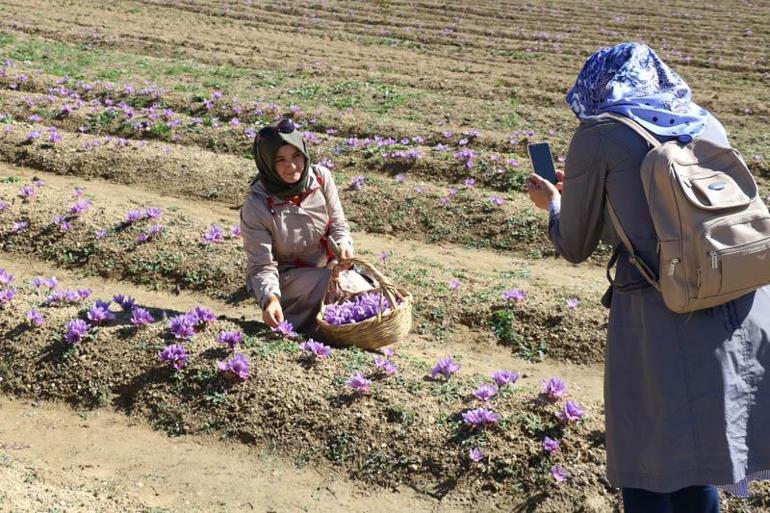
{"x":713,"y":228}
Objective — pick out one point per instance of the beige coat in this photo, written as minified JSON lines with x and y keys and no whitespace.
{"x":284,"y":247}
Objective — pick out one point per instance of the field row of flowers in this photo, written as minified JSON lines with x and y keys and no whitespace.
{"x":155,"y":246}
{"x":479,"y":414}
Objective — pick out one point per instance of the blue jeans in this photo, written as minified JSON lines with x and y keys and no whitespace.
{"x":693,"y":499}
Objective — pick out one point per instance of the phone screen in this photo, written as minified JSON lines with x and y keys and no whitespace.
{"x":542,"y":161}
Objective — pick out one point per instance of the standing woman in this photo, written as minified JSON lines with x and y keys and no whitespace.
{"x":290,"y":213}
{"x":687,"y":396}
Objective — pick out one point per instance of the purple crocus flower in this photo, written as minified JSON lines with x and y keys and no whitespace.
{"x":7,"y":295}
{"x":140,"y":317}
{"x":554,"y":388}
{"x":558,"y":474}
{"x":485,"y":392}
{"x":571,"y":412}
{"x":35,"y":318}
{"x":27,"y":192}
{"x":33,"y":135}
{"x":358,"y":383}
{"x":153,"y":213}
{"x":213,"y":234}
{"x":469,"y":183}
{"x":142,"y":238}
{"x":445,"y":367}
{"x":385,"y":366}
{"x":100,"y":234}
{"x":203,"y":316}
{"x":285,"y":329}
{"x":357,"y":182}
{"x":550,"y":445}
{"x":77,"y":329}
{"x":572,"y":303}
{"x":5,"y":278}
{"x":99,"y":315}
{"x":480,"y":417}
{"x":316,"y":350}
{"x":125,"y":302}
{"x":496,"y":200}
{"x":236,"y":367}
{"x":132,"y":216}
{"x":476,"y":454}
{"x":503,"y":378}
{"x":182,"y":326}
{"x":389,"y":352}
{"x":19,"y":226}
{"x":445,"y":201}
{"x":3,"y":206}
{"x":454,"y":284}
{"x":79,"y":207}
{"x":154,"y":229}
{"x":516,"y":295}
{"x":174,"y":354}
{"x":400,"y":178}
{"x":230,"y":338}
{"x":235,"y":231}
{"x":77,"y":191}
{"x":83,"y":293}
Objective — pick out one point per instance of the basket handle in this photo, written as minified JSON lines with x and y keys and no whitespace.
{"x":387,"y":288}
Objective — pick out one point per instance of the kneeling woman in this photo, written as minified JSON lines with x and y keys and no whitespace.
{"x":290,"y":213}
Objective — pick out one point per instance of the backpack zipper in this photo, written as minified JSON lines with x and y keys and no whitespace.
{"x":672,"y":266}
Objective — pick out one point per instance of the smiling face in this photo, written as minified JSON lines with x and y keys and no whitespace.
{"x":289,"y":163}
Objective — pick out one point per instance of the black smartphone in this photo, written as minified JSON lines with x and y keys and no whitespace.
{"x":542,"y":161}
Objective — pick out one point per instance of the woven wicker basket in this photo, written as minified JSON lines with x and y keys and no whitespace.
{"x":386,"y":328}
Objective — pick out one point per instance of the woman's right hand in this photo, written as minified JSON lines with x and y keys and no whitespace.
{"x":560,"y":180}
{"x":272,"y":313}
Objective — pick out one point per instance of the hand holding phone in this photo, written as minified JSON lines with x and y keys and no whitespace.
{"x":542,"y":161}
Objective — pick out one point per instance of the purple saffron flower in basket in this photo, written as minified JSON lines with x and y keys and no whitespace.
{"x":230,"y":338}
{"x":485,"y":392}
{"x":79,"y":207}
{"x":445,"y":367}
{"x":476,"y":454}
{"x":236,"y":367}
{"x":554,"y":388}
{"x":77,"y":329}
{"x":213,"y":235}
{"x":516,"y":295}
{"x":152,"y":213}
{"x":358,"y":383}
{"x":285,"y":329}
{"x":358,"y":309}
{"x":203,"y":316}
{"x":126,"y":303}
{"x":133,"y":216}
{"x":480,"y":417}
{"x":571,"y":412}
{"x":182,"y":326}
{"x":558,"y":474}
{"x":5,"y":278}
{"x":550,"y":445}
{"x":140,"y":317}
{"x":174,"y":354}
{"x":385,"y":366}
{"x":7,"y":295}
{"x":503,"y":378}
{"x":99,"y":315}
{"x":316,"y":350}
{"x":35,"y":318}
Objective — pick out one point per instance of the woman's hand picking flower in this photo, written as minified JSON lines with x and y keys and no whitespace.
{"x":272,"y":313}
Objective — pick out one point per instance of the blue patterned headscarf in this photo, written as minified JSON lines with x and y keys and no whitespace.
{"x":630,"y":80}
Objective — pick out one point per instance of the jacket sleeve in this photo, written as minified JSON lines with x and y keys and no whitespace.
{"x":261,"y":266}
{"x":339,"y":229}
{"x":576,"y":219}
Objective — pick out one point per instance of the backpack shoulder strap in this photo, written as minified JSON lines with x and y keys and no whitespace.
{"x":640,"y":265}
{"x":633,"y":125}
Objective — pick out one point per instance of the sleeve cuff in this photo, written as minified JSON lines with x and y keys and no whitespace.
{"x":554,"y":207}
